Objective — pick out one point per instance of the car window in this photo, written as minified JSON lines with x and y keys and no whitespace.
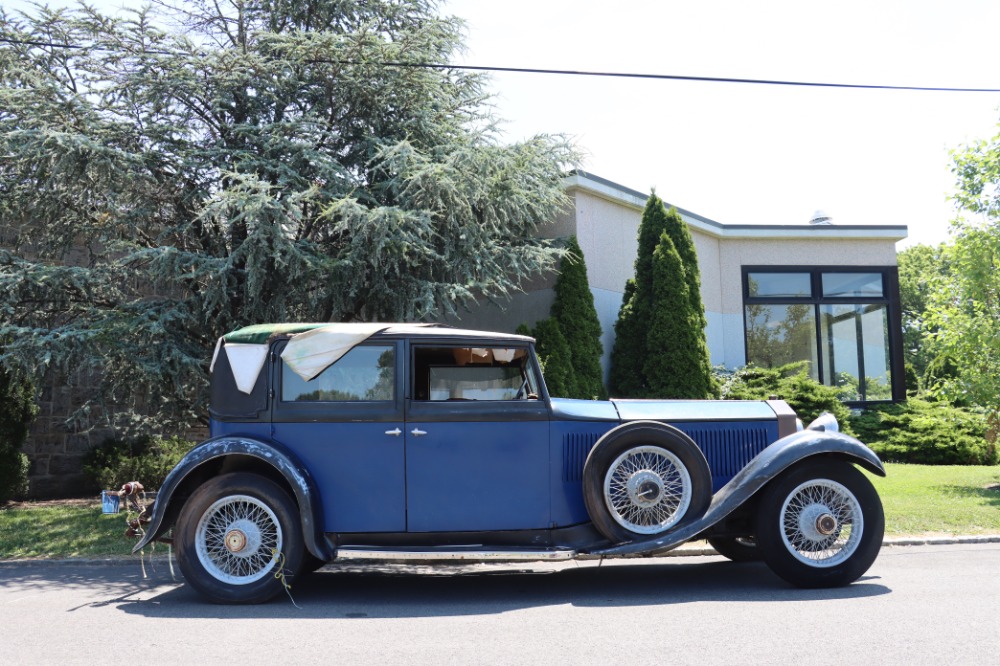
{"x":366,"y":373}
{"x":473,"y":373}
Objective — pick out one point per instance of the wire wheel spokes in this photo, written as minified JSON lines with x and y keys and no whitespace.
{"x":238,"y":539}
{"x":821,"y":523}
{"x":647,"y":489}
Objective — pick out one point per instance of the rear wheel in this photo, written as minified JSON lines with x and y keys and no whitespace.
{"x":737,"y":549}
{"x":821,"y":524}
{"x":237,"y":537}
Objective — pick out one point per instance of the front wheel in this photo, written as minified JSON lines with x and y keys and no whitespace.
{"x":820,"y":525}
{"x":237,"y":537}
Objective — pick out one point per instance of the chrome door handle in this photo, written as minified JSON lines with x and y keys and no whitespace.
{"x":395,"y":433}
{"x":417,"y":432}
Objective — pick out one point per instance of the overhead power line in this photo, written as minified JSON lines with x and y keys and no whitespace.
{"x":568,"y":72}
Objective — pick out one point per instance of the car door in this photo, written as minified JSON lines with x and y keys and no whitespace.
{"x":346,"y":425}
{"x":477,"y":452}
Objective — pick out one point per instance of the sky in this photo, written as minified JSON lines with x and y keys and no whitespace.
{"x":742,"y":153}
{"x":754,"y":154}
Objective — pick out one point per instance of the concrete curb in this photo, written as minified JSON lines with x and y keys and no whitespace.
{"x":691,"y":550}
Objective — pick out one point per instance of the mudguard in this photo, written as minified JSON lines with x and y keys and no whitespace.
{"x":771,"y":462}
{"x":281,"y":459}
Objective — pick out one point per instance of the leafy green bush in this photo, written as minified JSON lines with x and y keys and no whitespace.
{"x":926,"y":433}
{"x":790,"y":383}
{"x":147,"y":460}
{"x":17,"y":411}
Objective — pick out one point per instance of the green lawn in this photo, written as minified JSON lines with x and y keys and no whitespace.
{"x":918,"y":499}
{"x":52,"y":530}
{"x":923,"y":499}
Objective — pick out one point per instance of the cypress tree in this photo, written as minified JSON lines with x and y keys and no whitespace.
{"x":629,"y":352}
{"x":678,"y":364}
{"x":554,"y":353}
{"x":661,"y":325}
{"x":574,"y":311}
{"x":681,"y":237}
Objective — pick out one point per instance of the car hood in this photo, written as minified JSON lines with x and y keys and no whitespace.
{"x":661,"y":410}
{"x":693,"y":410}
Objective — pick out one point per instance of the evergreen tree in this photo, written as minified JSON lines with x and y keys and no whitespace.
{"x":677,"y":364}
{"x":628,"y":356}
{"x":574,"y":310}
{"x":17,"y":411}
{"x":681,"y":237}
{"x":262,"y":161}
{"x":557,"y":362}
{"x":646,"y":305}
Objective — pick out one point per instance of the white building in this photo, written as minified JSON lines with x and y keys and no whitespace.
{"x":825,"y":293}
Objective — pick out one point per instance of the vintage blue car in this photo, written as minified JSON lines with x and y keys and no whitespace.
{"x":424,"y":442}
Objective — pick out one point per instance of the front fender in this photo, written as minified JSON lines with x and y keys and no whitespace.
{"x":770,"y":463}
{"x":281,"y":459}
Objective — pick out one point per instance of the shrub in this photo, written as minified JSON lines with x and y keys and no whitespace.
{"x":926,"y":433}
{"x":17,"y":411}
{"x":147,"y":460}
{"x":792,"y":384}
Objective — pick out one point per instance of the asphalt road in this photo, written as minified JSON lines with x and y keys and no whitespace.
{"x":918,"y":605}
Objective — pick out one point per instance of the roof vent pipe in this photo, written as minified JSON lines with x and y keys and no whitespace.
{"x":820,"y":217}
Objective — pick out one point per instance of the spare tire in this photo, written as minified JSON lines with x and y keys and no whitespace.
{"x":642,"y":479}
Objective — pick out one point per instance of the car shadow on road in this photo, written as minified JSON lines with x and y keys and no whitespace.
{"x":380,"y":591}
{"x":401,"y":591}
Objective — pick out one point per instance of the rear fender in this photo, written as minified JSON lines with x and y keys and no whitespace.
{"x":767,"y":466}
{"x":275,"y":456}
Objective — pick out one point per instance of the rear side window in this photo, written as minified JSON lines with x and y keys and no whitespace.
{"x":366,"y":373}
{"x":473,"y":373}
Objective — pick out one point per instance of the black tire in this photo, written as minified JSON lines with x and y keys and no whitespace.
{"x":737,"y":549}
{"x":643,"y":479}
{"x":233,"y":534}
{"x":820,"y":524}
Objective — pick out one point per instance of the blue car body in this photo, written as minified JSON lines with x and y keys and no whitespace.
{"x":433,"y":437}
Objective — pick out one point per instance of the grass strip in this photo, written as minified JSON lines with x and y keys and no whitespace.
{"x":918,"y":500}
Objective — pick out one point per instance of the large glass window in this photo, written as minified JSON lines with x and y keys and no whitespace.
{"x":838,"y":322}
{"x":782,"y":334}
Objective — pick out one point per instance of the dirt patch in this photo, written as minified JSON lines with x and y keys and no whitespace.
{"x":994,"y":487}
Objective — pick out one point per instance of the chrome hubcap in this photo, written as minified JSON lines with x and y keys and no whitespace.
{"x":821,"y":523}
{"x":647,"y":489}
{"x":238,"y":539}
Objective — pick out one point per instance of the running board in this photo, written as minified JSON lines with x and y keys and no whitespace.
{"x":452,"y":555}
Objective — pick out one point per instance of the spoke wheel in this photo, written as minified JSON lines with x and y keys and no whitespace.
{"x":647,"y":489}
{"x":238,"y":536}
{"x":643,"y":479}
{"x":821,"y":524}
{"x":238,"y":539}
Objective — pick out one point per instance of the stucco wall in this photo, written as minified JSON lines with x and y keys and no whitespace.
{"x":605,"y":219}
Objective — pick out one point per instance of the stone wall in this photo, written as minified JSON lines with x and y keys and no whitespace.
{"x":55,"y":449}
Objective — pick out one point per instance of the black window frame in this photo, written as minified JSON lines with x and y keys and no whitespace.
{"x":890,"y":298}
